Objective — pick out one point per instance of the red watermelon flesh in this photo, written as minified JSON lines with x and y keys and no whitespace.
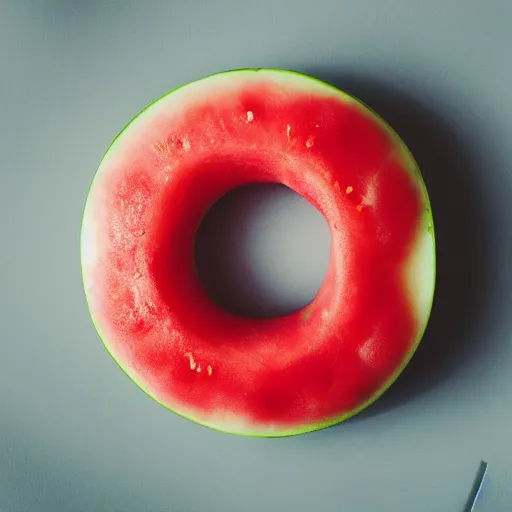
{"x":273,"y":377}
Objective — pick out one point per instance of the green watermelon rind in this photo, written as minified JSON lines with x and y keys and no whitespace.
{"x":427,"y":220}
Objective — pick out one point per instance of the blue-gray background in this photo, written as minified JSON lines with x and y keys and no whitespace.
{"x":75,"y":433}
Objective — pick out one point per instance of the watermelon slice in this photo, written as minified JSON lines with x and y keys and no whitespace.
{"x":300,"y":372}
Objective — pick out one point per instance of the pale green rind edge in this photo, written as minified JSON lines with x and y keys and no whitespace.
{"x":429,"y":217}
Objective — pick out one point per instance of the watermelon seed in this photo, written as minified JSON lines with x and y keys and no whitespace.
{"x":191,"y":360}
{"x":288,"y":130}
{"x":310,"y":142}
{"x":209,"y":370}
{"x":250,"y":116}
{"x":349,"y":189}
{"x":161,"y":147}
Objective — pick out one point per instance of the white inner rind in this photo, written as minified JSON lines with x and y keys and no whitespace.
{"x":420,"y":276}
{"x":89,"y":244}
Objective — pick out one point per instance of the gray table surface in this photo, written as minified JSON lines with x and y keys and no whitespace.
{"x":76,"y":434}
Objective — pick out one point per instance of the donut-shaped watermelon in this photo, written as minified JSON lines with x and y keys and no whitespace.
{"x":273,"y":377}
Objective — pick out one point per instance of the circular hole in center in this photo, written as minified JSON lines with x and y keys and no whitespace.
{"x":262,"y":251}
